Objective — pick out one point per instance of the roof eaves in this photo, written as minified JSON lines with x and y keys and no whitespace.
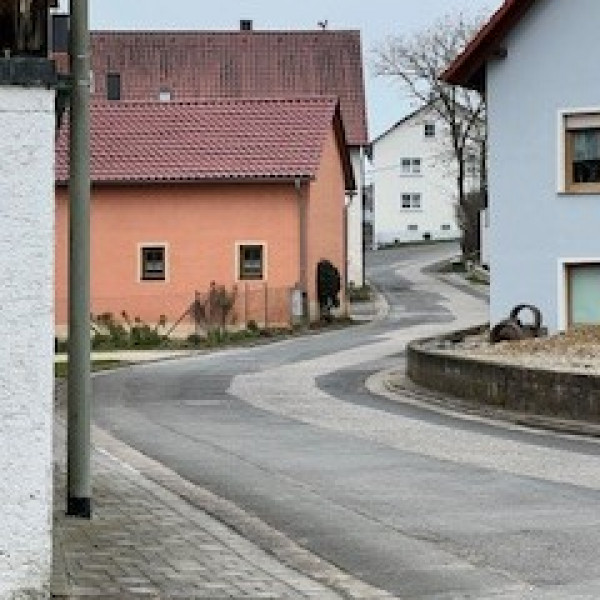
{"x":340,"y":134}
{"x":131,"y":181}
{"x":468,"y":69}
{"x":403,"y":120}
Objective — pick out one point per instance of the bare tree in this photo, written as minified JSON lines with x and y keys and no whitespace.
{"x":417,"y":62}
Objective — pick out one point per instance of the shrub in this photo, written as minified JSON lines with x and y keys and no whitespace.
{"x":109,"y":333}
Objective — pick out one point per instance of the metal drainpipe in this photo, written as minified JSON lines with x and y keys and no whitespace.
{"x":361,"y":196}
{"x":79,"y":488}
{"x":303,"y":246}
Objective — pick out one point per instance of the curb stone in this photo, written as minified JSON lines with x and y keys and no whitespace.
{"x":394,"y":385}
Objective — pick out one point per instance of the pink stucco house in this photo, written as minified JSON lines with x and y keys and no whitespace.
{"x":241,"y":192}
{"x":181,"y":66}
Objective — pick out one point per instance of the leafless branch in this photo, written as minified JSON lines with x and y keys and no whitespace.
{"x":417,"y":62}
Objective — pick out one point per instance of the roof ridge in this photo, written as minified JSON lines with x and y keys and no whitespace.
{"x":199,"y":32}
{"x":292,"y":99}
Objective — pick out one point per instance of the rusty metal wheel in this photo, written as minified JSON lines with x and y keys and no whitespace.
{"x":506,"y":331}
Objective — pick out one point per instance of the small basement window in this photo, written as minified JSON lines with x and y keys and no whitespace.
{"x":582,"y":153}
{"x":251,"y":257}
{"x":153,"y":263}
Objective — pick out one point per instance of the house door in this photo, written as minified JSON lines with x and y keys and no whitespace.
{"x":583,"y":294}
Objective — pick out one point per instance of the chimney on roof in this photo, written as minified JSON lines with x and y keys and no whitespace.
{"x":245,"y":25}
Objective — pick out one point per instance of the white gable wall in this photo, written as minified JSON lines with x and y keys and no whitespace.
{"x":436,"y":183}
{"x":354,"y":221}
{"x":550,"y":68}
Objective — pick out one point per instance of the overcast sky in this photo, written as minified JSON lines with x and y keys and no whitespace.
{"x":375,"y":18}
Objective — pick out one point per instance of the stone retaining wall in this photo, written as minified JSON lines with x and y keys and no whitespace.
{"x":525,"y":389}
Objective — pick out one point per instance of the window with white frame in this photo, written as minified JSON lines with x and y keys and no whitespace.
{"x":251,"y":262}
{"x":582,"y":152}
{"x":153,"y":263}
{"x":411,"y":201}
{"x":410,"y":166}
{"x":429,"y":129}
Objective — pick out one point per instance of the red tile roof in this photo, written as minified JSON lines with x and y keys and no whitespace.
{"x":236,"y":64}
{"x":468,"y":69}
{"x":208,"y":141}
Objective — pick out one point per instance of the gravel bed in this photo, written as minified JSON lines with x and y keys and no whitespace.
{"x":577,"y":350}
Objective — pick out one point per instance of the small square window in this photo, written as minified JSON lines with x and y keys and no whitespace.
{"x":153,"y":263}
{"x":413,"y":228}
{"x":582,"y":153}
{"x":411,"y":201}
{"x":251,"y":262}
{"x":446,"y":227}
{"x":429,"y":130}
{"x":410,"y":166}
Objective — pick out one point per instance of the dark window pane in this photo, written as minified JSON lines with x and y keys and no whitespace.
{"x":251,"y":262}
{"x":113,"y":86}
{"x":429,"y":130}
{"x":153,"y":264}
{"x":586,"y":171}
{"x":60,"y":33}
{"x":586,"y":155}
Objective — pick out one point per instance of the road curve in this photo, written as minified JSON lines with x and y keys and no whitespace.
{"x":417,"y":503}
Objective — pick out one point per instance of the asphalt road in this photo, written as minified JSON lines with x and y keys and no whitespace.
{"x":421,"y":504}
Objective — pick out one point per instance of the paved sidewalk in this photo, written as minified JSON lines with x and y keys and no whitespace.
{"x":145,"y":541}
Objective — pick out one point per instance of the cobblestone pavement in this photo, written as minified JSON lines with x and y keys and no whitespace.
{"x":146,"y":542}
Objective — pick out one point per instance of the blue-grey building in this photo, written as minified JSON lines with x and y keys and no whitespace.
{"x":535,"y":63}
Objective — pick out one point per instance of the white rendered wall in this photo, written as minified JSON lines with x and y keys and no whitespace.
{"x":436,"y":183}
{"x":26,"y":341}
{"x":355,"y":221}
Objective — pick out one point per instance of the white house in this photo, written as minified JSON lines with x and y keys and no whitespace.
{"x":414,"y":181}
{"x":532,"y":60}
